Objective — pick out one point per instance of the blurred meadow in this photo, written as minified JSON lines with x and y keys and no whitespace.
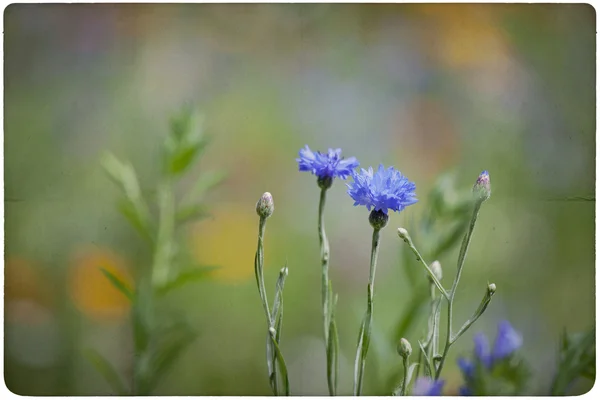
{"x":426,"y":88}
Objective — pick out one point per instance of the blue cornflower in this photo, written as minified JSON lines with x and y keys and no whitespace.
{"x":508,"y":340}
{"x":427,"y":387}
{"x":385,"y":189}
{"x":326,"y":166}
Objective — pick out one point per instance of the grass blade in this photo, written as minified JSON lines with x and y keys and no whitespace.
{"x":118,"y":283}
{"x":106,"y":370}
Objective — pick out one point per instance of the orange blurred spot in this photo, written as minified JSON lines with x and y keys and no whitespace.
{"x":229,"y":241}
{"x":20,"y":279}
{"x":91,"y":291}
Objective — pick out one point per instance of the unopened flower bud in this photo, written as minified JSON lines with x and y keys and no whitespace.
{"x":324,"y":182}
{"x":491,"y":289}
{"x":482,"y":188}
{"x":436,"y":268}
{"x":403,"y":233}
{"x":404,"y":348}
{"x":265,"y":205}
{"x":378,"y":219}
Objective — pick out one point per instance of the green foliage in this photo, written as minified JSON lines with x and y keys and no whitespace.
{"x":106,"y":370}
{"x":157,"y":348}
{"x":507,"y":377}
{"x":576,"y":359}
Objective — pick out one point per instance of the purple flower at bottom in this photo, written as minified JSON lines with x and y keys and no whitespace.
{"x":508,"y":340}
{"x":330,"y":165}
{"x":427,"y":387}
{"x":482,"y":349}
{"x":382,"y":190}
{"x":465,"y":391}
{"x":466,"y":366}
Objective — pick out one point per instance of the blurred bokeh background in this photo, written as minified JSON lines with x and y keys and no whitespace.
{"x":426,"y":88}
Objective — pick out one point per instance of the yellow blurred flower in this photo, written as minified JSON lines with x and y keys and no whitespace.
{"x":91,"y":291}
{"x":227,"y":240}
{"x":466,"y":35}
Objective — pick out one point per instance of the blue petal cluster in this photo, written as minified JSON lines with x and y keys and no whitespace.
{"x":382,"y":190}
{"x":427,"y":387}
{"x":330,"y":165}
{"x":508,"y":340}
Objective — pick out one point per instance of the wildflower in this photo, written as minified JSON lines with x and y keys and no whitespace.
{"x":385,"y":189}
{"x":507,"y":342}
{"x":427,"y":387}
{"x":326,"y":166}
{"x":495,"y":371}
{"x":466,"y":366}
{"x":482,"y":188}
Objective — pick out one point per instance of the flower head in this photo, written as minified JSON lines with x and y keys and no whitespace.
{"x":482,"y":188}
{"x":507,"y":341}
{"x":382,"y":190}
{"x":265,"y":205}
{"x":482,"y":348}
{"x":326,"y":166}
{"x":427,"y":387}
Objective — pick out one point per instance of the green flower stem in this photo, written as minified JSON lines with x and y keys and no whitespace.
{"x":407,"y":239}
{"x":431,"y":337}
{"x":365,"y":329}
{"x":274,"y":356}
{"x":258,"y":269}
{"x":482,"y":307}
{"x":331,"y":349}
{"x":461,"y":261}
{"x":405,"y":379}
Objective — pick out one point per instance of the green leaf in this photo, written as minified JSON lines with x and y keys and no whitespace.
{"x":118,"y":283}
{"x":191,"y":212}
{"x":171,"y":344}
{"x":143,"y":316}
{"x":206,"y":182}
{"x":181,"y":160}
{"x":282,"y":366}
{"x":428,"y":367}
{"x":106,"y":370}
{"x":185,"y":277}
{"x":278,"y":302}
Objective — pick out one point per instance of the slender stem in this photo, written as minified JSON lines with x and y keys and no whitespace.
{"x":461,"y":262}
{"x":432,"y":276}
{"x":258,"y":269}
{"x":405,"y":381}
{"x":326,"y":298}
{"x":365,"y":331}
{"x":480,"y":310}
{"x":166,"y":226}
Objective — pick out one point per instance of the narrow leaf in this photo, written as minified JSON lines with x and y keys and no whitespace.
{"x":118,"y":283}
{"x":191,"y":212}
{"x":282,"y":366}
{"x":185,"y":277}
{"x":170,"y":347}
{"x":106,"y":370}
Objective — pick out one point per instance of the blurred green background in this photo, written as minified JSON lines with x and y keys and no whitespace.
{"x":426,"y":88}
